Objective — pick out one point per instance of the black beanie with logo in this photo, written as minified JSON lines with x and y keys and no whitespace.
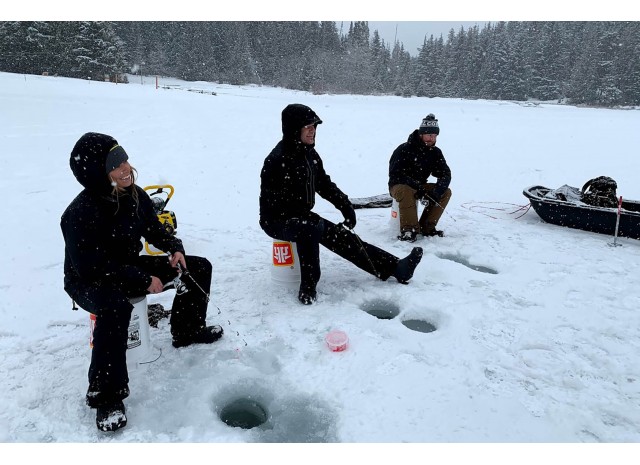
{"x":429,"y":125}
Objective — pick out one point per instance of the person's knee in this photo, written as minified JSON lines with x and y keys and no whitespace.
{"x":199,"y":264}
{"x":401,"y":192}
{"x":113,"y":317}
{"x":311,"y":229}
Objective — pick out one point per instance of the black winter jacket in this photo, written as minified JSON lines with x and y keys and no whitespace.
{"x":103,"y":233}
{"x":413,"y":162}
{"x":293,"y":173}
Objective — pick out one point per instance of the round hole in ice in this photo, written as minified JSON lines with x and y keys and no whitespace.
{"x":381,"y":309}
{"x":421,"y":326}
{"x":244,"y":413}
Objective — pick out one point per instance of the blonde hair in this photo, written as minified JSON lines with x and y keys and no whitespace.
{"x":118,"y":191}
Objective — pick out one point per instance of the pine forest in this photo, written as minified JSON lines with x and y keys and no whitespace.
{"x":581,"y":63}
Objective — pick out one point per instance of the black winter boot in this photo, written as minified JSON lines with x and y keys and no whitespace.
{"x":307,"y":296}
{"x":433,"y":232}
{"x":110,"y":417}
{"x":408,"y":236}
{"x":204,"y":336}
{"x":407,"y":265}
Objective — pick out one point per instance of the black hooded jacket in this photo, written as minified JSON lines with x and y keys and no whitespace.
{"x":413,"y":162}
{"x":103,"y":232}
{"x":293,"y":173}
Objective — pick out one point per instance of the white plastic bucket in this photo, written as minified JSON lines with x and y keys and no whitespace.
{"x":285,"y":269}
{"x":394,"y":219}
{"x":139,"y":347}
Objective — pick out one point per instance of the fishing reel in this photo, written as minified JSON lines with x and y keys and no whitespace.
{"x":160,"y":198}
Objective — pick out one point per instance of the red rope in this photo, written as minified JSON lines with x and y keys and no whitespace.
{"x":480,"y":207}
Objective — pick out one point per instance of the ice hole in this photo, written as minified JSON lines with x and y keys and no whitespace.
{"x":465,"y":262}
{"x":421,"y":326}
{"x":244,"y":413}
{"x":381,"y":309}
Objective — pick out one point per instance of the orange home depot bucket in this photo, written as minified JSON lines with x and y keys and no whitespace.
{"x":285,"y":269}
{"x":139,"y":347}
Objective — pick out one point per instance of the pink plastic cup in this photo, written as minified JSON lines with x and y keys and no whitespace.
{"x":337,"y":340}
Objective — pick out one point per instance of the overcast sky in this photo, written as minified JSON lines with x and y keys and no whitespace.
{"x":412,"y":33}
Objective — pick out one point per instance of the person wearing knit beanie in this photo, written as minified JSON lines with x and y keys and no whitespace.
{"x":102,"y":228}
{"x":410,"y":166}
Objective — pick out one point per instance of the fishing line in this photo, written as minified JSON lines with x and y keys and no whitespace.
{"x":178,"y":282}
{"x":508,"y":208}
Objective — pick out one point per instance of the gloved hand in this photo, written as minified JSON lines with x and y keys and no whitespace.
{"x":421,"y":193}
{"x":437,"y":193}
{"x":349,"y":216}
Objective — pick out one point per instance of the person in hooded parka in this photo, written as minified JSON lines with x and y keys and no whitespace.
{"x":102,"y":228}
{"x":291,"y":176}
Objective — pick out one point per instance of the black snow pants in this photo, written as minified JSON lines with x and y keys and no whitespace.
{"x":312,"y":230}
{"x":108,"y":376}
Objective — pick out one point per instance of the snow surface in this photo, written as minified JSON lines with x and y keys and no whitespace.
{"x":537,"y":337}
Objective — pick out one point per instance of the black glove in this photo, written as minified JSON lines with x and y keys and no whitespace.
{"x":437,"y":193}
{"x":349,"y":216}
{"x":421,"y":193}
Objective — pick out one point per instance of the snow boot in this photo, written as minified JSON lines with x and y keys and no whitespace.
{"x":110,"y":417}
{"x":204,"y":336}
{"x":407,"y":265}
{"x":96,"y":398}
{"x":307,"y":296}
{"x":433,"y":232}
{"x":408,"y":236}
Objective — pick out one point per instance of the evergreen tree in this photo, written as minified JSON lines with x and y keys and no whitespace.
{"x":608,"y":90}
{"x":628,"y":63}
{"x":357,"y":63}
{"x":428,"y":69}
{"x":379,"y":63}
{"x":583,"y":83}
{"x":98,"y":53}
{"x":516,"y":66}
{"x":401,"y":71}
{"x":24,"y":46}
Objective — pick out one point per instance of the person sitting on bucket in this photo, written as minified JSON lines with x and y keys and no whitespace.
{"x":291,"y":176}
{"x":410,"y":166}
{"x":102,"y":228}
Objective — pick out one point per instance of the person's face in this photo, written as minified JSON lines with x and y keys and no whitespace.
{"x":308,"y":134}
{"x":122,"y":175}
{"x":429,"y":139}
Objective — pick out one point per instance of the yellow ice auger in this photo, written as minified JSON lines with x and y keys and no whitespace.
{"x":160,"y":198}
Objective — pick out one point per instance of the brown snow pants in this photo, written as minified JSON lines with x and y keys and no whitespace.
{"x":408,"y":208}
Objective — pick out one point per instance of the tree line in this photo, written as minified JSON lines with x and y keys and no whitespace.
{"x":590,"y":63}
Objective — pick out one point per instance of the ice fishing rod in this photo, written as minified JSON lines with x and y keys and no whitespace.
{"x":433,"y":200}
{"x":438,"y":204}
{"x":361,"y":245}
{"x":186,"y":274}
{"x":181,"y":289}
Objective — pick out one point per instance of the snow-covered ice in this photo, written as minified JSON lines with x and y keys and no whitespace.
{"x":537,"y":326}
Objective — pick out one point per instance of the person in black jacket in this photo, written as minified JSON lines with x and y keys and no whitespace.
{"x":291,"y":176}
{"x":410,"y":166}
{"x":102,"y":228}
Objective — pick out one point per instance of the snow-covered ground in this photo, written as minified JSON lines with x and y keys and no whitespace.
{"x":537,"y":327}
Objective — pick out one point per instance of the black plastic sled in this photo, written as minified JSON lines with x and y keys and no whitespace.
{"x":376,"y":201}
{"x":563,"y":207}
